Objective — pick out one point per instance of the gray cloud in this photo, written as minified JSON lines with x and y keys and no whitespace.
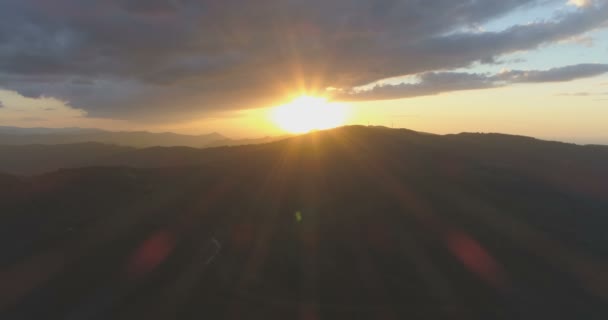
{"x":440,"y":82}
{"x":586,"y":41}
{"x":160,"y":59}
{"x":556,"y":74}
{"x":1,"y":104}
{"x":429,"y":84}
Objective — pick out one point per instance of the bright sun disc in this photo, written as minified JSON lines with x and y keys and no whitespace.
{"x":307,"y":113}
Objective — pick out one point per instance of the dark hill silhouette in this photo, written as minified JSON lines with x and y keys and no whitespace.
{"x":575,"y":163}
{"x":350,"y":223}
{"x":243,"y":142}
{"x":138,"y":139}
{"x":16,"y":136}
{"x":39,"y":158}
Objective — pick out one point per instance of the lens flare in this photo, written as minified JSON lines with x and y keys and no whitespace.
{"x":308,"y":113}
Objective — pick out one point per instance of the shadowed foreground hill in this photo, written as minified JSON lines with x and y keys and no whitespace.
{"x":38,"y":158}
{"x":351,"y":223}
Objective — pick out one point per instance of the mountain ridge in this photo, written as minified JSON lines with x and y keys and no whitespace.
{"x":356,"y":222}
{"x":494,"y":147}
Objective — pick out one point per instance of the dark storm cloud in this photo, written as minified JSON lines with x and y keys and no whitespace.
{"x":173,"y":58}
{"x":440,"y":82}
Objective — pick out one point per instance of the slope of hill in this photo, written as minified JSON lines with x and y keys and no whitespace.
{"x":348,"y":223}
{"x":243,"y":142}
{"x":494,"y":149}
{"x":25,"y":136}
{"x":16,"y":136}
{"x":41,"y":130}
{"x":39,"y":158}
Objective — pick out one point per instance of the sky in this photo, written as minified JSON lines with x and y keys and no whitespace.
{"x":527,"y":67}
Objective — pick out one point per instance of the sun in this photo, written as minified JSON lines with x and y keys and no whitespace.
{"x":307,"y":113}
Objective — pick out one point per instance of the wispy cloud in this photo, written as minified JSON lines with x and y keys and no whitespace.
{"x":582,"y":40}
{"x":582,"y":94}
{"x":441,"y":82}
{"x":580,"y":3}
{"x":575,"y":94}
{"x":33,"y":119}
{"x":560,"y":74}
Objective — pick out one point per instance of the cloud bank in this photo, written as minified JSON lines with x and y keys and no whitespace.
{"x":164,"y":59}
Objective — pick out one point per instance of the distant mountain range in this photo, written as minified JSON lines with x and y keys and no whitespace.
{"x":350,"y":223}
{"x":573,"y":162}
{"x":137,"y":139}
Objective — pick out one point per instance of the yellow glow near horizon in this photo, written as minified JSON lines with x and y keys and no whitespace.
{"x":308,"y":113}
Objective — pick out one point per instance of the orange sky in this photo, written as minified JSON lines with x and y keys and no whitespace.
{"x":529,"y":109}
